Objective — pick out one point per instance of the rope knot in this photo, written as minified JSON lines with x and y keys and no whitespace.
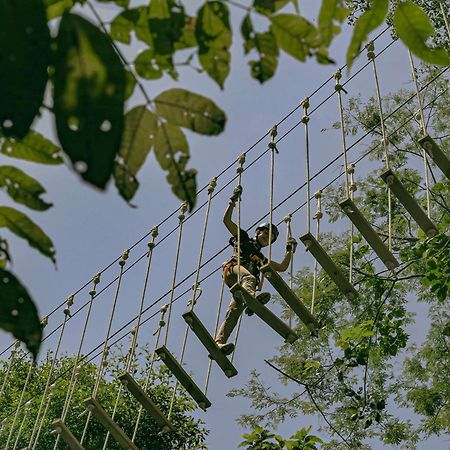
{"x":69,"y":301}
{"x":212,"y":185}
{"x":96,"y":278}
{"x":273,"y":146}
{"x":273,"y":132}
{"x":241,"y":159}
{"x":154,"y":232}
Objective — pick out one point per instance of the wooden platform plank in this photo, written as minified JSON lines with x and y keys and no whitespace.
{"x":409,"y":202}
{"x":265,"y":314}
{"x":436,"y":154}
{"x":148,"y":404}
{"x":181,"y":375}
{"x":103,"y":417}
{"x":322,"y":257}
{"x":208,"y":341}
{"x":60,"y":428}
{"x":369,"y":234}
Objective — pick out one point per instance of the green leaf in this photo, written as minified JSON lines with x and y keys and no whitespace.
{"x":414,"y":28}
{"x":330,"y":11}
{"x":22,"y":226}
{"x":293,"y":34}
{"x":18,"y":313}
{"x":134,"y":19}
{"x":33,"y":147}
{"x":269,"y":7}
{"x":189,"y":110}
{"x":23,"y":188}
{"x":446,"y":330}
{"x":172,"y":153}
{"x":121,"y":3}
{"x":24,"y":56}
{"x":187,"y":39}
{"x":56,"y":8}
{"x":152,"y":66}
{"x":368,"y":22}
{"x":266,"y":66}
{"x":138,"y":138}
{"x":214,"y":37}
{"x":88,"y":98}
{"x":130,"y":84}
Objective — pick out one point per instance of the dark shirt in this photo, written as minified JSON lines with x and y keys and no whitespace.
{"x":251,"y":256}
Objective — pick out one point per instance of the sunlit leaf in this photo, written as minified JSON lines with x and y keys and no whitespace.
{"x":56,"y":8}
{"x":18,"y":313}
{"x":266,"y":66}
{"x":214,"y":36}
{"x":138,"y":138}
{"x":414,"y":28}
{"x":368,"y":22}
{"x":172,"y":153}
{"x":33,"y":147}
{"x":330,"y":11}
{"x":24,"y":56}
{"x":268,"y":7}
{"x":134,"y":19}
{"x":188,"y":38}
{"x":152,"y":66}
{"x":189,"y":110}
{"x":22,"y":188}
{"x":22,"y":226}
{"x":130,"y":84}
{"x":88,"y":98}
{"x":293,"y":34}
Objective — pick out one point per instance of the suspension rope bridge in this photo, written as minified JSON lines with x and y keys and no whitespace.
{"x":345,"y":281}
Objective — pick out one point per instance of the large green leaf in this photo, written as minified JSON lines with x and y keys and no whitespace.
{"x":23,"y":188}
{"x":368,"y":22}
{"x":18,"y":313}
{"x":214,"y":37}
{"x":88,"y":98}
{"x":138,"y":137}
{"x":24,"y":57}
{"x":189,"y":110}
{"x":33,"y":147}
{"x":293,"y":34}
{"x":172,"y":153}
{"x":414,"y":28}
{"x":268,"y":7}
{"x":134,"y":19}
{"x":22,"y":226}
{"x":330,"y":11}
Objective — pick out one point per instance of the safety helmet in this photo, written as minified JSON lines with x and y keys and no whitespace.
{"x":266,"y":226}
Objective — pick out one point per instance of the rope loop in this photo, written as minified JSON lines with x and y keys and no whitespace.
{"x":124,"y":258}
{"x":273,"y":132}
{"x":212,"y":185}
{"x":288,"y":218}
{"x":370,"y":47}
{"x":69,"y":301}
{"x":154,"y":232}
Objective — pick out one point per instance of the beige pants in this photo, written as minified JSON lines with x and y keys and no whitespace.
{"x":236,"y":306}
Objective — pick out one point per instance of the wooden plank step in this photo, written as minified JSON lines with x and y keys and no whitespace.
{"x":181,"y":375}
{"x":409,"y":202}
{"x":265,"y":314}
{"x":60,"y":428}
{"x":369,"y":234}
{"x":208,"y":341}
{"x":436,"y":154}
{"x":148,"y":404}
{"x":103,"y":417}
{"x":322,"y":257}
{"x":290,"y":298}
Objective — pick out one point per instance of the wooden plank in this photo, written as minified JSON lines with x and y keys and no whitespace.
{"x":369,"y":234}
{"x":436,"y":154}
{"x":141,"y":396}
{"x":208,"y":341}
{"x":313,"y":246}
{"x":181,"y":375}
{"x":409,"y":202}
{"x":265,"y":314}
{"x":290,"y":298}
{"x":60,"y":428}
{"x":103,"y":417}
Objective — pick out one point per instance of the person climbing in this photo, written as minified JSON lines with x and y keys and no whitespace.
{"x":251,"y":259}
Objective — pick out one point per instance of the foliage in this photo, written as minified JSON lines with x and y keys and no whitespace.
{"x":364,"y":370}
{"x":189,"y":433}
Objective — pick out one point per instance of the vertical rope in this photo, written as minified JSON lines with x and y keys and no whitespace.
{"x":305,"y":121}
{"x":423,"y":132}
{"x":384,"y":139}
{"x":150,"y":369}
{"x":273,"y":148}
{"x":49,"y":399}
{"x":287,"y":220}
{"x":216,"y":327}
{"x":181,"y":218}
{"x":103,"y":363}
{"x":211,"y":187}
{"x":26,"y":413}
{"x":351,"y":171}
{"x":10,"y":363}
{"x":317,"y":216}
{"x":66,"y":312}
{"x":33,"y":363}
{"x":338,"y":88}
{"x":444,"y":15}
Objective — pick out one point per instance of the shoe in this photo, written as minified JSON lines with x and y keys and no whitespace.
{"x":262,"y":298}
{"x":226,"y":349}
